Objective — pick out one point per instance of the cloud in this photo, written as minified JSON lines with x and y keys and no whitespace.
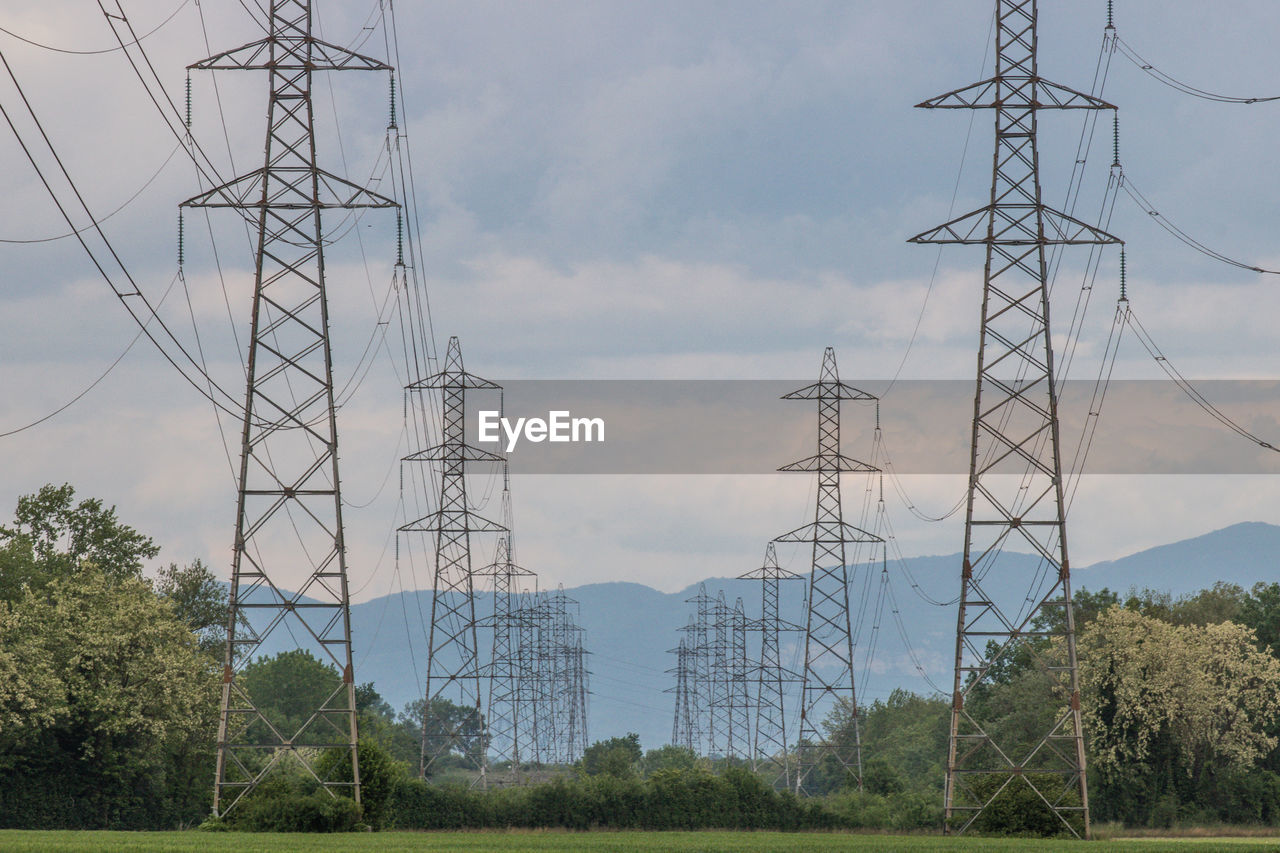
{"x":617,"y":190}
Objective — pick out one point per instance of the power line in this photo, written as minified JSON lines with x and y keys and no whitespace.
{"x":50,"y":47}
{"x":98,"y":222}
{"x":1183,"y":236}
{"x":1186,"y":88}
{"x":136,"y":292}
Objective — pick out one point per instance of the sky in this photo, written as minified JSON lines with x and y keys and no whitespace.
{"x":620,"y":190}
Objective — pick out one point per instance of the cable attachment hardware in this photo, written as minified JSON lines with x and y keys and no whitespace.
{"x":392,"y":125}
{"x":1115,"y":140}
{"x":399,"y":238}
{"x":1124,"y":294}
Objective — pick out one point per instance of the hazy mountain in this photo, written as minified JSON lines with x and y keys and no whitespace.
{"x":630,"y":627}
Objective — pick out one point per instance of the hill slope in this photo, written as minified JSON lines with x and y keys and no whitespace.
{"x":630,"y":627}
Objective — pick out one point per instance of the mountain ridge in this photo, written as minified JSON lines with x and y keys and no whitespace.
{"x":630,"y":626}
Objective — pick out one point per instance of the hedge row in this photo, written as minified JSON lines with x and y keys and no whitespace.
{"x":669,"y":799}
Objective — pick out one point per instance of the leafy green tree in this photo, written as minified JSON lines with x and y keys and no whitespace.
{"x":617,"y":756}
{"x":1260,"y":610}
{"x":1202,"y":697}
{"x":287,"y":689}
{"x":460,"y":729}
{"x":909,"y":732}
{"x":1221,"y":603}
{"x":669,"y":757}
{"x":52,"y":536}
{"x":380,"y":773}
{"x":199,"y":599}
{"x":124,"y":706}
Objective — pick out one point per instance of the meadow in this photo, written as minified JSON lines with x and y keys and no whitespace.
{"x":28,"y":841}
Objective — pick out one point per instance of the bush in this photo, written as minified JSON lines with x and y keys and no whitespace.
{"x":319,"y":811}
{"x":1019,"y":810}
{"x":290,"y":800}
{"x":379,"y":774}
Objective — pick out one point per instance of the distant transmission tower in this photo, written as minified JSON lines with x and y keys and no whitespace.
{"x":828,"y":690}
{"x":699,"y":638}
{"x":506,"y":737}
{"x":720,"y":741}
{"x":683,"y":725}
{"x":544,"y":679}
{"x":453,"y":665}
{"x":739,"y":695}
{"x":1015,"y":470}
{"x":771,"y":725}
{"x":529,"y":706}
{"x":562,"y":657}
{"x":289,"y":506}
{"x":579,"y":688}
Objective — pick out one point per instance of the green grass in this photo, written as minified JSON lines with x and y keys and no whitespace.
{"x":24,"y":841}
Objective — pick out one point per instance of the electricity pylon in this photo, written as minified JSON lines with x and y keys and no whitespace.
{"x":700,"y":671}
{"x":828,"y":695}
{"x":682,"y":721}
{"x":721,"y":723}
{"x":453,"y":664}
{"x":739,"y":696}
{"x":506,"y":738}
{"x":771,"y":721}
{"x":530,"y":707}
{"x":289,"y":505}
{"x":1015,"y":469}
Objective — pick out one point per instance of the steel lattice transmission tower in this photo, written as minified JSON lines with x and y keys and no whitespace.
{"x":453,"y":663}
{"x":700,"y":691}
{"x":544,"y":679}
{"x":828,"y":688}
{"x":570,"y":684}
{"x":530,"y":706}
{"x":683,"y":725}
{"x":739,"y":696}
{"x":1015,"y":472}
{"x":720,"y":724}
{"x":771,"y":725}
{"x":506,"y":737}
{"x":289,"y":505}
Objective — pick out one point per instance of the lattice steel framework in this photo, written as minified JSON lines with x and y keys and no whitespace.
{"x":564,"y":677}
{"x":828,"y":690}
{"x":770,"y":742}
{"x":683,"y":722}
{"x":289,"y":506}
{"x":699,"y":640}
{"x":720,"y":724}
{"x":1015,"y":473}
{"x":453,"y":664}
{"x":505,"y":672}
{"x":578,"y":692}
{"x":531,"y":707}
{"x":739,"y":695}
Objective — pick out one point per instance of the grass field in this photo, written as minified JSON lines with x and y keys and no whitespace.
{"x":23,"y":841}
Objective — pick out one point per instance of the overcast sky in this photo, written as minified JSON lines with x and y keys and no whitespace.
{"x":608,"y":190}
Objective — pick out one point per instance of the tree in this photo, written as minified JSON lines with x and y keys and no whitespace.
{"x":1205,"y":693}
{"x":52,"y":537}
{"x":669,"y":757}
{"x":460,"y":729}
{"x":617,"y":756}
{"x":1260,"y":610}
{"x":287,"y":688}
{"x":123,"y":706}
{"x":199,"y":599}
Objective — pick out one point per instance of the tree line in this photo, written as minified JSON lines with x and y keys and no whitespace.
{"x":109,"y":688}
